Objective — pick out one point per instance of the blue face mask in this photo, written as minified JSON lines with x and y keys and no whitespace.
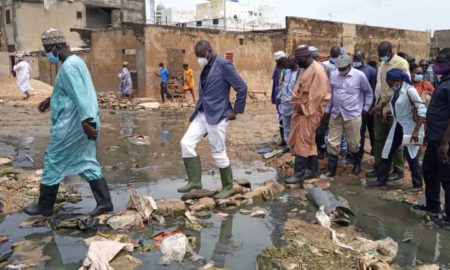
{"x":52,"y":58}
{"x":333,"y":60}
{"x":418,"y":77}
{"x":384,"y":58}
{"x":357,"y":64}
{"x":396,"y":88}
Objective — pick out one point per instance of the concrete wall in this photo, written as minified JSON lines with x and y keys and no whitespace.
{"x":325,"y":34}
{"x":47,"y":71}
{"x":106,"y":58}
{"x":8,"y":38}
{"x":253,"y":59}
{"x":32,"y":19}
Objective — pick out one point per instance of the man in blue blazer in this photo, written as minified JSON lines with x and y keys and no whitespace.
{"x":211,"y":117}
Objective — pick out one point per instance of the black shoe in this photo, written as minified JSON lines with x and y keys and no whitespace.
{"x":47,"y":199}
{"x":443,"y":222}
{"x":102,"y":197}
{"x":394,"y":176}
{"x":285,"y":149}
{"x":372,"y":174}
{"x":332,"y":165}
{"x":425,"y":208}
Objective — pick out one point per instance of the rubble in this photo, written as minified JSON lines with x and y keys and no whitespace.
{"x":197,"y":194}
{"x":170,"y":207}
{"x":205,"y":203}
{"x":109,"y":100}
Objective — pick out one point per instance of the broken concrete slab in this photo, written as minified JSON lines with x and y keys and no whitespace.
{"x":170,"y":207}
{"x":206,"y":203}
{"x":197,"y":194}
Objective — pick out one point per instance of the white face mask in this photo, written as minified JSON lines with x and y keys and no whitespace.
{"x":202,"y":61}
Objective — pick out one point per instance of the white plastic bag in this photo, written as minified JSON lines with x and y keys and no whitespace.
{"x":174,"y":248}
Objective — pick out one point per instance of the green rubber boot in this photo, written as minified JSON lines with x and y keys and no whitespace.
{"x":193,"y":167}
{"x":226,"y":176}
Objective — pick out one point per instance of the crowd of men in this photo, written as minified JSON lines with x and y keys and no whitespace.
{"x":323,"y":107}
{"x":327,"y":108}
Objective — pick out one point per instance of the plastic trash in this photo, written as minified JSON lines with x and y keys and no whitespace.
{"x":173,"y":248}
{"x":264,"y":150}
{"x":273,"y":153}
{"x":100,"y":253}
{"x":334,"y":206}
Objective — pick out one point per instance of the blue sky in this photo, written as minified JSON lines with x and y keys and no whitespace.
{"x":407,"y":14}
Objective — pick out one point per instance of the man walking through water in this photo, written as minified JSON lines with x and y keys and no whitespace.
{"x":211,"y":117}
{"x":75,"y":124}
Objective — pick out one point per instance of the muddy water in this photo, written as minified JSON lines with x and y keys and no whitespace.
{"x":156,"y":169}
{"x":418,"y":241}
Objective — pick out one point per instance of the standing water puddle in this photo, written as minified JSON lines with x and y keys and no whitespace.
{"x":155,"y":168}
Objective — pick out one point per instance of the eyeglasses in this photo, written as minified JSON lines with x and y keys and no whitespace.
{"x":424,"y":65}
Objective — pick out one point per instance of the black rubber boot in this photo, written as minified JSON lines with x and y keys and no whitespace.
{"x":357,"y":163}
{"x":299,"y":171}
{"x":332,"y":165}
{"x":313,"y":168}
{"x":382,"y":175}
{"x":102,"y":197}
{"x":283,"y":142}
{"x":47,"y":199}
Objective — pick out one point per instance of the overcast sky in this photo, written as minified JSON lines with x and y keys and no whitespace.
{"x":407,"y":14}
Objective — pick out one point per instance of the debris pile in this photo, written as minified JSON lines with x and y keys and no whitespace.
{"x":111,"y":101}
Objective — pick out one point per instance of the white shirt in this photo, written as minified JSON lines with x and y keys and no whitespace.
{"x":23,"y":76}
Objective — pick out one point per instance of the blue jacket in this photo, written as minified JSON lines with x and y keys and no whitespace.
{"x":215,"y":97}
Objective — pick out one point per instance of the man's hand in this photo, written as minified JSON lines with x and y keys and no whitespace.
{"x":89,"y":130}
{"x":44,"y":105}
{"x":231,"y":116}
{"x":377,"y":109}
{"x":415,"y":136}
{"x":442,"y":152}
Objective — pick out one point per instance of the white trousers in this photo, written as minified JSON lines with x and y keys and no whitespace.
{"x":216,"y":136}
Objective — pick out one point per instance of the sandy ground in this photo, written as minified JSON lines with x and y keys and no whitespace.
{"x":10,"y":93}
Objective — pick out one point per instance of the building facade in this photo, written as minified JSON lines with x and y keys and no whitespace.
{"x":236,"y":16}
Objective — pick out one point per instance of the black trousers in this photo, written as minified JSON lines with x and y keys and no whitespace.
{"x":436,"y":173}
{"x":164,"y":92}
{"x":367,"y":125}
{"x":320,"y":136}
{"x":414,"y":164}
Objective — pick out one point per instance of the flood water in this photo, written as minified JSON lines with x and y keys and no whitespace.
{"x":157,"y":170}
